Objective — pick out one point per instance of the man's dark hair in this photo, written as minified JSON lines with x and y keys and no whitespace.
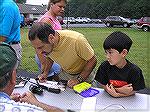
{"x":117,"y":40}
{"x":40,"y":30}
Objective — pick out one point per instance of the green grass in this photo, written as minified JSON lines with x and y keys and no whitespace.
{"x":139,"y":52}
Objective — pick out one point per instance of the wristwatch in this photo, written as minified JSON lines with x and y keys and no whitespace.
{"x":80,"y":78}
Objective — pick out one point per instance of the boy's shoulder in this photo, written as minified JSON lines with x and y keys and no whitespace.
{"x":105,"y":63}
{"x":132,"y":65}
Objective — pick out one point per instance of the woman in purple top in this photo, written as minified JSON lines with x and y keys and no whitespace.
{"x":55,"y":8}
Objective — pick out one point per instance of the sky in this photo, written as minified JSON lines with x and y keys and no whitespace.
{"x":37,"y":2}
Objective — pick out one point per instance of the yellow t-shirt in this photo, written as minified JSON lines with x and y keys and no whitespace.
{"x":72,"y":51}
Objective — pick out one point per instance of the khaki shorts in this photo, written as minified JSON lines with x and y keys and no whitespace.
{"x":66,"y":76}
{"x":18,"y":49}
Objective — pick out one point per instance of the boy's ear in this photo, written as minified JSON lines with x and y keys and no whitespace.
{"x":124,"y":52}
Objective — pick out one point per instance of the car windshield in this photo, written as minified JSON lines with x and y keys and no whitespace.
{"x":124,"y":19}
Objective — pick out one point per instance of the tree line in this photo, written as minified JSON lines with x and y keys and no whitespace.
{"x":104,"y":8}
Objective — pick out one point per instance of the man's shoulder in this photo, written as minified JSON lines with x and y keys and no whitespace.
{"x":10,"y":105}
{"x":70,"y":34}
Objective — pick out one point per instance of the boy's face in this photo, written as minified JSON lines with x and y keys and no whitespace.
{"x":114,"y":57}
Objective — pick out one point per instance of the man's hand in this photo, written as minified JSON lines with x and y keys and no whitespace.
{"x":42,"y":77}
{"x":29,"y":98}
{"x":72,"y":82}
{"x":15,"y":96}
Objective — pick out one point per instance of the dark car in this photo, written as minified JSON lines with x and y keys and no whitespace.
{"x":110,"y":21}
{"x":144,"y":23}
{"x":29,"y":21}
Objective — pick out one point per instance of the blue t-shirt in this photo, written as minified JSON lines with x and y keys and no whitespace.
{"x":9,"y":21}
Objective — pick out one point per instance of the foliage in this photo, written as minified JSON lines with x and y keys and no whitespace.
{"x":21,"y":1}
{"x":104,"y":8}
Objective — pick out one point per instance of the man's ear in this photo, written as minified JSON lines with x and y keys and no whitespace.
{"x":13,"y":78}
{"x":51,"y":38}
{"x":124,"y":52}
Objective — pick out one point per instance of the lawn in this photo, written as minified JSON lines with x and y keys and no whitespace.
{"x":139,"y":52}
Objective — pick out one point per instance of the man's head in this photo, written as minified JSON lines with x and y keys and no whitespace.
{"x":117,"y":40}
{"x":42,"y":37}
{"x":8,"y":61}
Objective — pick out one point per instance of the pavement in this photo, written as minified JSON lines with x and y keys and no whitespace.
{"x":24,"y":73}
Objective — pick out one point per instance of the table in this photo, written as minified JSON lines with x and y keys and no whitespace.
{"x":68,"y":99}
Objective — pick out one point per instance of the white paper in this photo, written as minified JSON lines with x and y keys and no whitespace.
{"x":88,"y":104}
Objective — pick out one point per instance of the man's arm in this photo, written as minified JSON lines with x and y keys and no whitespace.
{"x":31,"y":99}
{"x":88,"y":67}
{"x":86,"y":71}
{"x":46,"y":66}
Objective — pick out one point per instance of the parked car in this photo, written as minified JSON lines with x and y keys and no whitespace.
{"x":110,"y":21}
{"x":144,"y":23}
{"x":96,"y":21}
{"x":69,"y":20}
{"x":60,"y":19}
{"x":83,"y":20}
{"x":29,"y":21}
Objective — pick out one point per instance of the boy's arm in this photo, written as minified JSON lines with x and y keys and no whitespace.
{"x":127,"y":89}
{"x":113,"y":92}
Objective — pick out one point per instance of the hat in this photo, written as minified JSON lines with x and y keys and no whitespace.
{"x":8,"y":59}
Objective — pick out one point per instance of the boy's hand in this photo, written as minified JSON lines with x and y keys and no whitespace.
{"x":111,"y":90}
{"x":127,"y":89}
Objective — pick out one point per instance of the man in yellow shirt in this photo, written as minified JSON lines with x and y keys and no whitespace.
{"x":68,"y":48}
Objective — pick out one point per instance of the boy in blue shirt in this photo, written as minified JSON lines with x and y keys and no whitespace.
{"x":118,"y":76}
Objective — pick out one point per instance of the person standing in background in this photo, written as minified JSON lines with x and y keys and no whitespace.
{"x":55,"y":8}
{"x":10,"y":26}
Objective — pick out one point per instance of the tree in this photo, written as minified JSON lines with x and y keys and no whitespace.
{"x":21,"y":1}
{"x":104,"y":8}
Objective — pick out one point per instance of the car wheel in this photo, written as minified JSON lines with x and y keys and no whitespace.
{"x":108,"y":24}
{"x":145,"y":28}
{"x":125,"y":25}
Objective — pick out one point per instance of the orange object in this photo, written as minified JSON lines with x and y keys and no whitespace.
{"x":117,"y":83}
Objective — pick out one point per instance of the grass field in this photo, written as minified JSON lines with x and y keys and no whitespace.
{"x":139,"y":52}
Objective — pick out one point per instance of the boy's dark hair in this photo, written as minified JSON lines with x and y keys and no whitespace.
{"x":117,"y":40}
{"x":40,"y":30}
